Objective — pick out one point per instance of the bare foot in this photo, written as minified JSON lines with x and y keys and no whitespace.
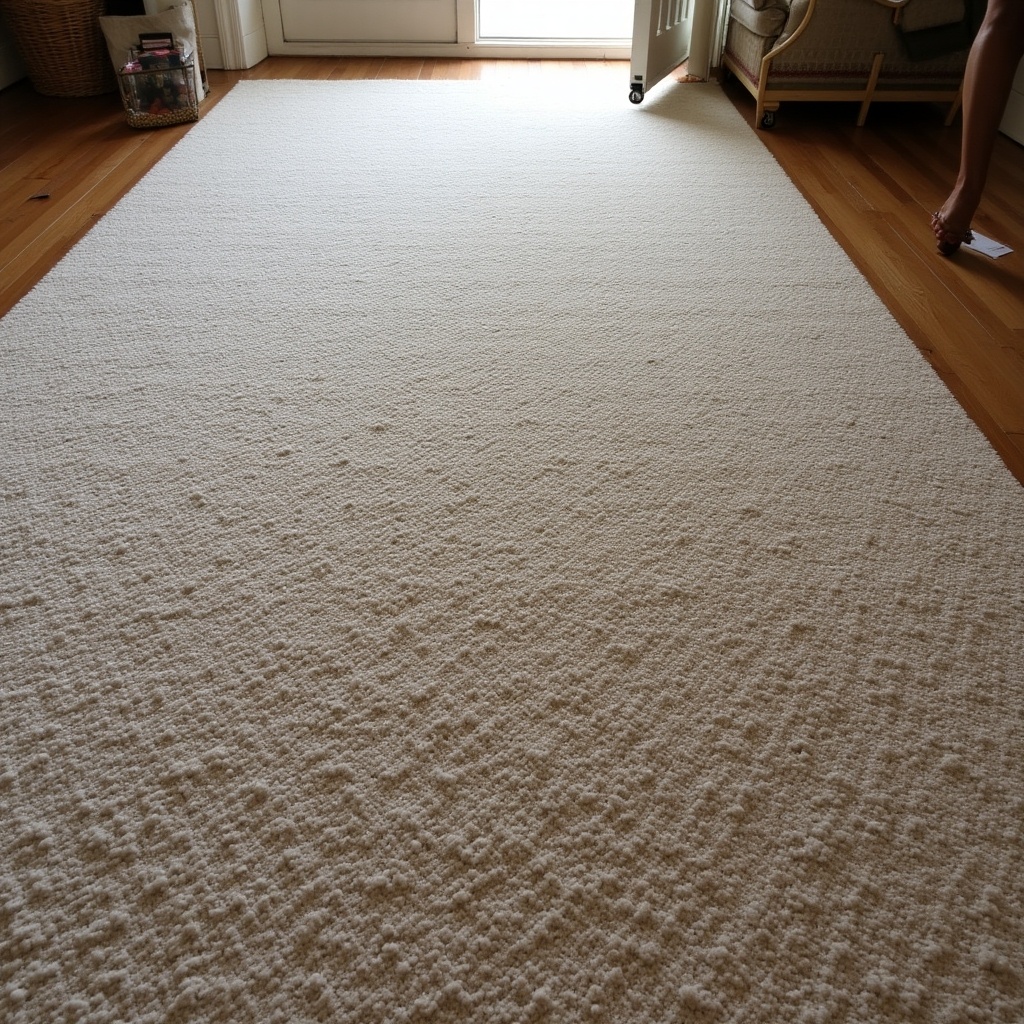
{"x":947,"y":239}
{"x":954,"y":216}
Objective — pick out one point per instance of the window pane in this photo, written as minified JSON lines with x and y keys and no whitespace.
{"x":556,"y":19}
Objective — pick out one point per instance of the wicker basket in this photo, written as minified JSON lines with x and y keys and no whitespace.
{"x":175,"y":87}
{"x":62,"y":45}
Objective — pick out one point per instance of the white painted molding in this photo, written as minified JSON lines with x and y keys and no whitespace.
{"x":229,"y":31}
{"x":240,"y":29}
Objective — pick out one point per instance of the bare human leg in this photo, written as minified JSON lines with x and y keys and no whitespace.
{"x":988,"y":78}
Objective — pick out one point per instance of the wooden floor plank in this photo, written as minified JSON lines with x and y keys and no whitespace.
{"x":982,"y":285}
{"x":359,"y":68}
{"x":874,"y":188}
{"x":401,"y":68}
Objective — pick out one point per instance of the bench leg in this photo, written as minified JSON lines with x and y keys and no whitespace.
{"x":876,"y":69}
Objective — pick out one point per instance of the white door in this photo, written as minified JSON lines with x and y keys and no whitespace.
{"x":369,"y":21}
{"x":661,"y":42}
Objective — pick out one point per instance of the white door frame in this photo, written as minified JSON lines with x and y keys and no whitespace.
{"x":249,"y":30}
{"x":240,"y":32}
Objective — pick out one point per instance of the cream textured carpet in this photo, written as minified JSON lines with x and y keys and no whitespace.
{"x":472,"y":555}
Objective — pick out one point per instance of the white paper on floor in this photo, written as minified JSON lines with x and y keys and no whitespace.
{"x":987,"y":246}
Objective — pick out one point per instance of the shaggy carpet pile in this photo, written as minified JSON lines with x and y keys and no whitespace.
{"x":482,"y":555}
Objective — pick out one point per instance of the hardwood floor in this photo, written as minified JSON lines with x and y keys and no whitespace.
{"x":873,"y":187}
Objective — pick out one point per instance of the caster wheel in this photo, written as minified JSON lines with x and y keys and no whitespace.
{"x":636,"y":95}
{"x":768,"y":119}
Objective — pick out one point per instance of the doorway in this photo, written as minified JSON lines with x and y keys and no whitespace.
{"x":555,"y":20}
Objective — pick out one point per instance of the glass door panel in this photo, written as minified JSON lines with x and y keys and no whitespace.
{"x":555,"y":19}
